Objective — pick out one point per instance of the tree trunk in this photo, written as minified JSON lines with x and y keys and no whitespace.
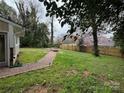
{"x":95,"y":41}
{"x":52,"y":31}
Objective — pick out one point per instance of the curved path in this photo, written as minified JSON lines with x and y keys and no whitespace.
{"x":42,"y":63}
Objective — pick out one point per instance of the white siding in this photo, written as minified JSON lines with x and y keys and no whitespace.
{"x":3,"y":26}
{"x":16,"y":47}
{"x":11,"y":36}
{"x":13,"y":42}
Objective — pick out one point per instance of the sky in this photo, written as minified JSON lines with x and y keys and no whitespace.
{"x":58,"y":30}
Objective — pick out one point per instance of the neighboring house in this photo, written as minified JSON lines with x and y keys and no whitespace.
{"x":71,"y":39}
{"x":10,"y":32}
{"x":68,"y":40}
{"x":102,"y":40}
{"x":87,"y":40}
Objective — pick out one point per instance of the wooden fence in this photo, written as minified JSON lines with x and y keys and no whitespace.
{"x":72,"y":47}
{"x":103,"y":50}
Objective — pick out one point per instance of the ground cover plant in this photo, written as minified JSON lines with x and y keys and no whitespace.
{"x":71,"y":72}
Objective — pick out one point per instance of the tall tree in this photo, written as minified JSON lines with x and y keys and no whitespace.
{"x":35,"y":33}
{"x":24,"y":13}
{"x":84,"y":14}
{"x":7,"y":11}
{"x":41,"y":36}
{"x":28,"y":16}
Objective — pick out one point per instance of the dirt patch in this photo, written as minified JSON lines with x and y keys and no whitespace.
{"x":86,"y":73}
{"x":54,"y":89}
{"x":42,"y":89}
{"x":71,"y":72}
{"x":102,"y":77}
{"x":37,"y":89}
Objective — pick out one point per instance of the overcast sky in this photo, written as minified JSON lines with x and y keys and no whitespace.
{"x":42,"y":11}
{"x":58,"y":31}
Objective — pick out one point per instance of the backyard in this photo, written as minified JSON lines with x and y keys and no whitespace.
{"x":61,"y":46}
{"x":71,"y":72}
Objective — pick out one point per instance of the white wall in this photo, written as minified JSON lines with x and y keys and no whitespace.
{"x":13,"y":42}
{"x":16,"y":47}
{"x":11,"y":36}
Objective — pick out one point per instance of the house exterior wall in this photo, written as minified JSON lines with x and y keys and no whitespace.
{"x":12,"y":32}
{"x":16,"y":47}
{"x":4,"y":26}
{"x":11,"y":36}
{"x":4,"y":29}
{"x":14,"y":42}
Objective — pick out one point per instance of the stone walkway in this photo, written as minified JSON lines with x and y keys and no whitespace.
{"x":44,"y":62}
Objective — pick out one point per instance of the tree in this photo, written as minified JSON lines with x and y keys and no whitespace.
{"x":52,"y":32}
{"x":35,"y":33}
{"x":85,"y":14}
{"x":41,"y":41}
{"x":27,"y":14}
{"x":29,"y":20}
{"x":7,"y":11}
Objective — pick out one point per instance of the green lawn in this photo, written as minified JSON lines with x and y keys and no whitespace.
{"x":66,"y":75}
{"x":31,"y":55}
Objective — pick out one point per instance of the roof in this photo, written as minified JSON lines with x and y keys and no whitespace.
{"x":10,"y":21}
{"x":87,"y":40}
{"x":102,"y":40}
{"x":17,"y":27}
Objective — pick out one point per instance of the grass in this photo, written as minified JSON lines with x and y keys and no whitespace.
{"x":66,"y":75}
{"x":31,"y":55}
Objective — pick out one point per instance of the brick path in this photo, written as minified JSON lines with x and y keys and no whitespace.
{"x":44,"y":62}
